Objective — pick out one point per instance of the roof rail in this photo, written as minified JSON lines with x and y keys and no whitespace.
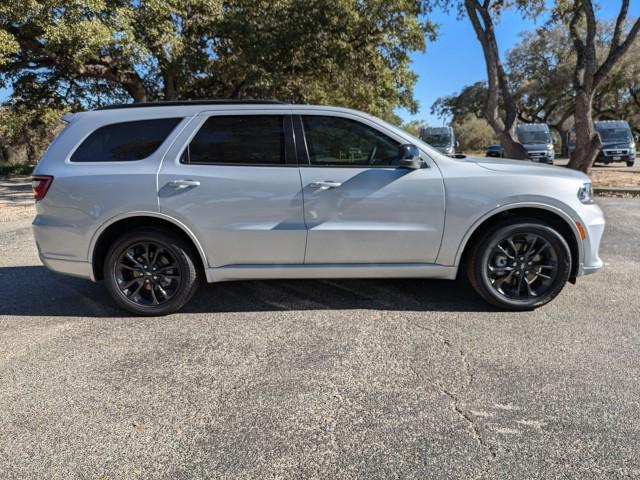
{"x":180,"y":103}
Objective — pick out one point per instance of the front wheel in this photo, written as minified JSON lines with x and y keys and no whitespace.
{"x":150,"y":271}
{"x":519,"y":264}
{"x":630,"y":163}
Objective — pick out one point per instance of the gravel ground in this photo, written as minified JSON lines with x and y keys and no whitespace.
{"x":16,"y":198}
{"x":321,"y":379}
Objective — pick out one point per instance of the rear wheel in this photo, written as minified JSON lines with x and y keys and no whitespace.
{"x":150,"y":272}
{"x":520,"y":264}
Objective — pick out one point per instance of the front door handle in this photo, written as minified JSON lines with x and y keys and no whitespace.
{"x":325,"y":185}
{"x":184,"y":183}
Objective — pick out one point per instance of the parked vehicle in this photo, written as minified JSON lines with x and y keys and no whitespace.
{"x":155,"y":198}
{"x":618,"y":144}
{"x":442,"y":139}
{"x":537,"y":140}
{"x":495,"y":151}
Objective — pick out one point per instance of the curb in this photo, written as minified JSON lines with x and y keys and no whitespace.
{"x":617,"y":191}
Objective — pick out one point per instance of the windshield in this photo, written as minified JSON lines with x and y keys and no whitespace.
{"x":437,"y":139}
{"x":611,"y":135}
{"x":529,"y":138}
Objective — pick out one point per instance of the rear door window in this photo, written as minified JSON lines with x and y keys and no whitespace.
{"x":238,"y":140}
{"x":126,"y":141}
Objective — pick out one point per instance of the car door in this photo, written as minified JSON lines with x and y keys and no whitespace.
{"x":232,"y":178}
{"x":359,"y":206}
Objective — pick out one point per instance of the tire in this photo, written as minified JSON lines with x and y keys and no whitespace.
{"x":132,"y":258}
{"x":519,"y":280}
{"x":630,"y":163}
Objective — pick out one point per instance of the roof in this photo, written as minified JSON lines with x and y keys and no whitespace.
{"x":610,"y":124}
{"x":445,"y":129}
{"x":183,"y":103}
{"x":533,"y":127}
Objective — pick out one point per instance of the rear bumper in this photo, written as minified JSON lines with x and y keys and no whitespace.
{"x":68,"y":267}
{"x":57,"y":246}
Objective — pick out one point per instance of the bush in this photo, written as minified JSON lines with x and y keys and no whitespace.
{"x":473,"y":133}
{"x":19,"y":169}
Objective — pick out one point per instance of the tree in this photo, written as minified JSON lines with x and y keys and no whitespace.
{"x":500,"y":109}
{"x":25,"y":133}
{"x":471,"y":100}
{"x":540,"y":69}
{"x":348,"y":52}
{"x":483,"y":16}
{"x":590,"y":71}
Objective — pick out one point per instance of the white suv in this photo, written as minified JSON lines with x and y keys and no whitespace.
{"x":152,"y":198}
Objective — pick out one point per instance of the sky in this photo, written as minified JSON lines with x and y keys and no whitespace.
{"x":455,"y":59}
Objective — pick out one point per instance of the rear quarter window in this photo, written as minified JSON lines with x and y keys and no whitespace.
{"x":125,"y":141}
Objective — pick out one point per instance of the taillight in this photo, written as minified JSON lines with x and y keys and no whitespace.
{"x":40,"y":185}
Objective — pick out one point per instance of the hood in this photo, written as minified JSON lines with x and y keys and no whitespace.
{"x":616,"y":144}
{"x":535,"y":146}
{"x":526,"y":167}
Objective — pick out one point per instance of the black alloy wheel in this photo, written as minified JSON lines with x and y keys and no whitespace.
{"x":519,"y":264}
{"x":522,"y":266}
{"x":147,"y":274}
{"x":150,"y":271}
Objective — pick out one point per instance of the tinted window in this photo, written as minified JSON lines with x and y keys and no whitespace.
{"x":340,"y":141}
{"x":249,"y":140}
{"x":122,"y":142}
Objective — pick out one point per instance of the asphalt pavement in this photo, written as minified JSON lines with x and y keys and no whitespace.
{"x":371,"y":379}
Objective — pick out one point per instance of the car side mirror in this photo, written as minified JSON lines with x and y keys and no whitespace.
{"x":409,"y":156}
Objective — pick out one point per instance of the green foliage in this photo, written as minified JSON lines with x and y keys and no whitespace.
{"x":470,"y":101}
{"x":473,"y":133}
{"x":346,"y":52}
{"x":25,"y":133}
{"x":19,"y":169}
{"x":413,"y":127}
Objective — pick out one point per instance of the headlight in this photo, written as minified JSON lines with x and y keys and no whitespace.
{"x":585,"y":194}
{"x":632,"y":146}
{"x":550,"y":147}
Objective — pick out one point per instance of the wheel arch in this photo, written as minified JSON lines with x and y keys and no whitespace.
{"x":116,"y":226}
{"x":553,"y":216}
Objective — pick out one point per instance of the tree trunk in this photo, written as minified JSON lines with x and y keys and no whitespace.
{"x":137,"y":91}
{"x":588,"y":142}
{"x":170,"y":90}
{"x":497,"y":82}
{"x":564,"y":140}
{"x":511,"y":146}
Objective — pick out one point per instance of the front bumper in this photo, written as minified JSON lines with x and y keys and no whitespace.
{"x":607,"y":158}
{"x":542,"y":156}
{"x":592,"y":219}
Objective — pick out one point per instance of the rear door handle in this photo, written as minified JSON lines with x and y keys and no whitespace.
{"x":325,"y":185}
{"x":184,"y":183}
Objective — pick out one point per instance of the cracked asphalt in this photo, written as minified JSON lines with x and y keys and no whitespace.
{"x":370,"y":379}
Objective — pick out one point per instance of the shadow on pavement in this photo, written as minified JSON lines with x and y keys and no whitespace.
{"x":35,"y":291}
